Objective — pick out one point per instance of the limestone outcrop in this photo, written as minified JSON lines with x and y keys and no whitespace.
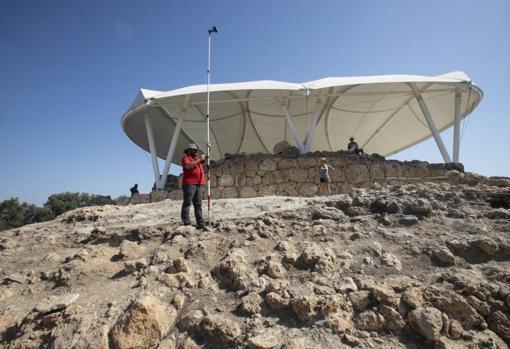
{"x":421,"y":265}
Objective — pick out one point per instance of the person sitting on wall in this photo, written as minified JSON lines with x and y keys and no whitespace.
{"x":353,"y":147}
{"x":134,"y":190}
{"x":193,"y":179}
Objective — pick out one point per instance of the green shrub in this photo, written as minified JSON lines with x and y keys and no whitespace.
{"x":11,"y":214}
{"x":14,"y":214}
{"x":63,"y":202}
{"x":35,"y":214}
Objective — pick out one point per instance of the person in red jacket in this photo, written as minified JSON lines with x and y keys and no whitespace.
{"x":193,"y":178}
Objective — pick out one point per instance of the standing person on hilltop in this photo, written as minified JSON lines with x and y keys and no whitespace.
{"x":134,"y":190}
{"x":193,"y":179}
{"x":324,"y":176}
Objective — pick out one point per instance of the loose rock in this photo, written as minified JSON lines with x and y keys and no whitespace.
{"x":444,"y":257}
{"x":251,"y":303}
{"x":143,"y":325}
{"x":263,"y":341}
{"x":427,"y":322}
{"x":220,"y":330}
{"x":58,"y":303}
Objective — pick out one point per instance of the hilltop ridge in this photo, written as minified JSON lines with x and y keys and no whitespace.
{"x":423,"y":265}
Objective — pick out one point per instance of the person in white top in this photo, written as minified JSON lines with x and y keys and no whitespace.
{"x":324,"y":176}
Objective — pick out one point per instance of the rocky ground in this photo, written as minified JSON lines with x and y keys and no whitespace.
{"x":413,"y":266}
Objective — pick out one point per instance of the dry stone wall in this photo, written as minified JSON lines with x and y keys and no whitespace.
{"x":265,"y":175}
{"x":242,"y":176}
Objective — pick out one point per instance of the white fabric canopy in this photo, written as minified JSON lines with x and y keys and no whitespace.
{"x":383,"y":113}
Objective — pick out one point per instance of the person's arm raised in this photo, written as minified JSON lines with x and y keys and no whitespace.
{"x":189,"y":165}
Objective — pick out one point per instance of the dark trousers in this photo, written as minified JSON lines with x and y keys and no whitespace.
{"x":191,"y":193}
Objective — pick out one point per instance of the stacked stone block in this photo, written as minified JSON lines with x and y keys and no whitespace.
{"x":245,"y":176}
{"x":265,"y":175}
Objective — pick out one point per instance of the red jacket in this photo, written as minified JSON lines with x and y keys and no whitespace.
{"x":193,"y":175}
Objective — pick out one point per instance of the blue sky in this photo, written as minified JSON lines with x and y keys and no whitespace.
{"x":69,"y":69}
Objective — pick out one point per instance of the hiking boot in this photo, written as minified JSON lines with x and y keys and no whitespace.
{"x":203,"y":227}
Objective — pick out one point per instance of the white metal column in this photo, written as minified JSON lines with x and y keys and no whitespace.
{"x":456,"y":125}
{"x":430,"y":122}
{"x":173,"y":143}
{"x":311,"y":131}
{"x":152,"y":148}
{"x":291,"y":126}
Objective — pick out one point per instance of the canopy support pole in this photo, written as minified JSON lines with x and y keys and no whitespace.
{"x":388,"y":121}
{"x":173,"y":143}
{"x":430,"y":122}
{"x":152,"y":148}
{"x":291,"y":126}
{"x":456,"y":126}
{"x":311,"y":131}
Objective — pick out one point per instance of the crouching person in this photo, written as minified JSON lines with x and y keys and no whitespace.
{"x":353,"y":147}
{"x":193,"y":179}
